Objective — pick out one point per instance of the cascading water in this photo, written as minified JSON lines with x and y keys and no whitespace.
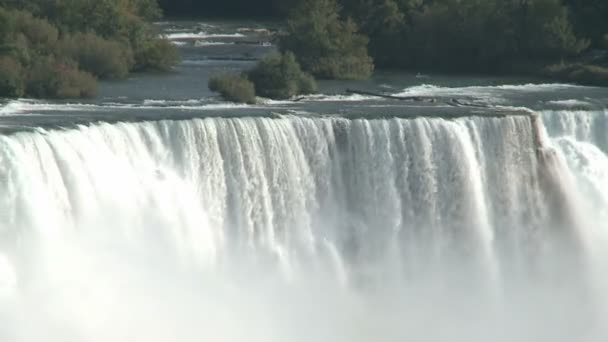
{"x":300,"y":229}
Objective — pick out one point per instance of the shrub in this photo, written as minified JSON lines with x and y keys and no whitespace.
{"x":156,"y":54}
{"x":104,"y":39}
{"x":279,"y":76}
{"x":41,"y":35}
{"x":579,"y":73}
{"x":307,"y":84}
{"x":103,"y":58}
{"x":49,"y":78}
{"x":74,"y":83}
{"x":233,"y":87}
{"x":11,"y":79}
{"x":327,"y":46}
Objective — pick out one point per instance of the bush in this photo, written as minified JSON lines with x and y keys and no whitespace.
{"x":49,"y":78}
{"x":327,"y":46}
{"x":279,"y":76}
{"x":103,"y":58}
{"x":579,"y":73}
{"x":74,"y":83}
{"x":307,"y":84}
{"x":11,"y":79}
{"x":233,"y":87}
{"x":157,"y":55}
{"x":41,"y":35}
{"x":106,"y":39}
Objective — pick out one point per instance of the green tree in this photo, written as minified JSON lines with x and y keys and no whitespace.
{"x":590,"y":19}
{"x":233,"y":87}
{"x":544,"y":30}
{"x":279,"y":76}
{"x":59,"y":46}
{"x":326,"y":45}
{"x":51,"y":78}
{"x":106,"y":59}
{"x":11,"y":78}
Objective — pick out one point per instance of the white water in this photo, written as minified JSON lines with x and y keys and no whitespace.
{"x":201,"y":35}
{"x":492,"y":94}
{"x":299,"y":229}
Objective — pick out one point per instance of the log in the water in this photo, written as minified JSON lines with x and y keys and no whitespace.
{"x":432,"y":99}
{"x":393,"y":97}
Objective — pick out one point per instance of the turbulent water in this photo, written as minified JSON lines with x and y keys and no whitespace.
{"x":301,"y":228}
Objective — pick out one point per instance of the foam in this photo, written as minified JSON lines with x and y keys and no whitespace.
{"x":337,"y":98}
{"x":430,"y":90}
{"x":199,"y":43}
{"x":569,"y":103}
{"x":200,"y":35}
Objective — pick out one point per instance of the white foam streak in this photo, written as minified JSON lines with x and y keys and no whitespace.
{"x":200,"y":35}
{"x":488,"y":94}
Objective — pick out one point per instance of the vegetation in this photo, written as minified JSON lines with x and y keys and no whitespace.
{"x":477,"y":35}
{"x":579,"y":73}
{"x":277,"y":76}
{"x":233,"y":87}
{"x":327,"y":45}
{"x":58,"y":48}
{"x":11,"y":77}
{"x":50,"y":78}
{"x":589,"y":18}
{"x":280,"y":77}
{"x":103,"y":58}
{"x":333,"y":38}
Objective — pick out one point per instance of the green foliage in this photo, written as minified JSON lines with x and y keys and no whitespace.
{"x":590,"y":19}
{"x":156,"y":55}
{"x":103,"y":58}
{"x":471,"y":35}
{"x":49,"y":78}
{"x":59,"y":55}
{"x":233,"y":87}
{"x":545,"y":30}
{"x":279,"y":76}
{"x":326,"y":45}
{"x":385,"y":23}
{"x":40,"y":34}
{"x":579,"y":73}
{"x":11,"y":78}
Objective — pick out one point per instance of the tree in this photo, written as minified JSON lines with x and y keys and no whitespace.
{"x":233,"y":87}
{"x":57,"y":48}
{"x":385,"y":22}
{"x":106,"y":59}
{"x":11,"y":78}
{"x":590,"y":19}
{"x":545,"y":31}
{"x":280,"y":77}
{"x":326,"y":45}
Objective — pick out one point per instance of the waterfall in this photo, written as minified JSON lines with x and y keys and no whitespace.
{"x":588,"y":126}
{"x":364,"y":228}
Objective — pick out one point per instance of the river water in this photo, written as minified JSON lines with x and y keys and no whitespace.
{"x":159,"y":212}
